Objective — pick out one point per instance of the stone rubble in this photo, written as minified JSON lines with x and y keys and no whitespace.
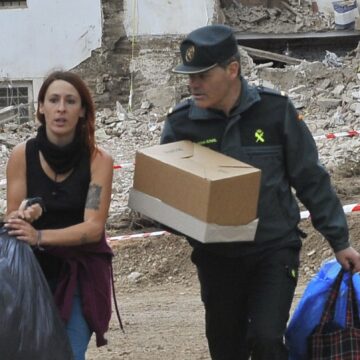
{"x":293,"y":16}
{"x":326,"y":94}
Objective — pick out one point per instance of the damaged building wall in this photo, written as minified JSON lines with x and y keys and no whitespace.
{"x":125,"y":66}
{"x":159,"y":17}
{"x":107,"y":70}
{"x":131,"y":69}
{"x":37,"y":37}
{"x":47,"y":35}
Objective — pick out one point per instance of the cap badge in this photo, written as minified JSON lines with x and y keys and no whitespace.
{"x":190,"y":53}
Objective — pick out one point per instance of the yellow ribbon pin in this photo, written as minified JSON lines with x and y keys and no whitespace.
{"x":259,"y":136}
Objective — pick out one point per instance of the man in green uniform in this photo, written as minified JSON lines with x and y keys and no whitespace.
{"x":247,"y":288}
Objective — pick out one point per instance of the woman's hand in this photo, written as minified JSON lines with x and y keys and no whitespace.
{"x":23,"y":231}
{"x":29,"y":214}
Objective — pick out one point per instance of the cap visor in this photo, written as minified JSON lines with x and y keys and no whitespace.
{"x":185,"y":69}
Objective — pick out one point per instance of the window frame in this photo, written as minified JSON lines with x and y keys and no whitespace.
{"x":13,"y":96}
{"x":22,"y":4}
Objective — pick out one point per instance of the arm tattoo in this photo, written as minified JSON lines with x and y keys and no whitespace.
{"x":83,"y":239}
{"x":93,"y":197}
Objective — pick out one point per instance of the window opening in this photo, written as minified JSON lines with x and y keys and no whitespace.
{"x":16,"y":102}
{"x":12,"y":4}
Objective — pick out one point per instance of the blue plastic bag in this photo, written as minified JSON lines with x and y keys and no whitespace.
{"x":311,"y":305}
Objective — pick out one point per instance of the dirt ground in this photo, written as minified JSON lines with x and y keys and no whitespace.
{"x":159,"y":302}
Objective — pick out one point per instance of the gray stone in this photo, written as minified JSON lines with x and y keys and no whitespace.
{"x":327,"y":103}
{"x":338,"y":90}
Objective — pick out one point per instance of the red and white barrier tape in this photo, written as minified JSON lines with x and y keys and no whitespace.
{"x":138,"y":236}
{"x":123,"y":166}
{"x":350,"y":133}
{"x":303,"y":215}
{"x":347,"y":209}
{"x":329,"y":136}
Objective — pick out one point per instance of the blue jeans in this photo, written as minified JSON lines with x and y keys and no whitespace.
{"x":78,"y":329}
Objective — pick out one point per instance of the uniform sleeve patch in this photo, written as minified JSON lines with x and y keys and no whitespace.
{"x":269,"y":91}
{"x":181,"y":105}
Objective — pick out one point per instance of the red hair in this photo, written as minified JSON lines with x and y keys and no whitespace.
{"x":86,"y":125}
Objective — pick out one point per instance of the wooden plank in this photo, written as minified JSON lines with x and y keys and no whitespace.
{"x":289,"y":8}
{"x":262,"y":54}
{"x":8,"y":114}
{"x":312,"y":35}
{"x":6,"y":109}
{"x":9,"y":118}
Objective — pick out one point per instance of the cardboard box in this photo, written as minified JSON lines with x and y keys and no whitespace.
{"x":197,"y":191}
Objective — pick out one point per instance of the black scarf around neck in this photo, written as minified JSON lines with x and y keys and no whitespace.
{"x":61,"y":159}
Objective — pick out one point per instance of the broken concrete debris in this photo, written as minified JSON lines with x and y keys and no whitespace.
{"x":288,"y":17}
{"x":326,"y":92}
{"x":328,"y":96}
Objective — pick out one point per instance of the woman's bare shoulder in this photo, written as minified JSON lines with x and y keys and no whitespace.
{"x":101,"y":153}
{"x":18,"y":151}
{"x":102,"y":158}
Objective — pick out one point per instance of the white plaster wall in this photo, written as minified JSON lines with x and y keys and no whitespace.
{"x":166,"y":17}
{"x":47,"y":34}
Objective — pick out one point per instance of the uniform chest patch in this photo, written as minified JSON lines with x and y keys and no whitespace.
{"x":208,"y":141}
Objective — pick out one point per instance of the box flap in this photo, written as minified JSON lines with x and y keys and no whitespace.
{"x":187,"y":224}
{"x":198,"y":160}
{"x":210,"y":186}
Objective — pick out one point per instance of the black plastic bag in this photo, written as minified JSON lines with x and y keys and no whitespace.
{"x":30,"y":326}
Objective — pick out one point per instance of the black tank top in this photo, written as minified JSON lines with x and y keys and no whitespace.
{"x":64,"y":201}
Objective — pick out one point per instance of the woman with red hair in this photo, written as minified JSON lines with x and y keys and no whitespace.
{"x":73,"y":176}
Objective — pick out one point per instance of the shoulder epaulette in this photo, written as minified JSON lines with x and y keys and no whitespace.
{"x":182,"y":105}
{"x":269,"y":91}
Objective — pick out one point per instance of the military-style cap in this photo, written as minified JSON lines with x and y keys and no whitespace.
{"x":206,"y":47}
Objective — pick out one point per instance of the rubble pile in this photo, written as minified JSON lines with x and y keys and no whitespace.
{"x":290,"y":17}
{"x":326,"y":93}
